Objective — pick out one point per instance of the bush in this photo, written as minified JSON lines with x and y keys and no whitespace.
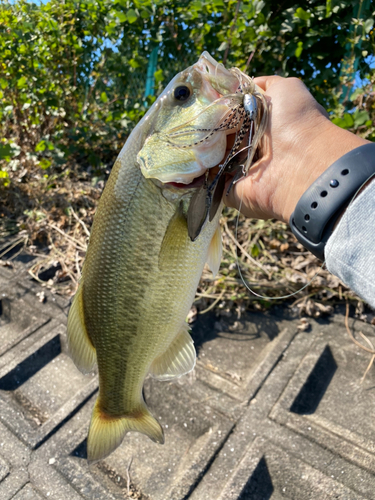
{"x":73,"y":73}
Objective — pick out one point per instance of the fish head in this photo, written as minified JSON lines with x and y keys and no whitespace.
{"x":187,"y":126}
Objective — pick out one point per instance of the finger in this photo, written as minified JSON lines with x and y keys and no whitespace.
{"x":233,"y":199}
{"x":266,"y":81}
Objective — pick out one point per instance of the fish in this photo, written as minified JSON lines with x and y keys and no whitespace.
{"x":141,"y":270}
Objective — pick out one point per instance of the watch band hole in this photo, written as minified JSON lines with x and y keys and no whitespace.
{"x":323,"y":194}
{"x":314,"y":205}
{"x":304,"y":229}
{"x":345,"y":171}
{"x":307,"y":217}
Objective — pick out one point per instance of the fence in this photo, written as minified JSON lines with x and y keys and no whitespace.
{"x":165,"y":64}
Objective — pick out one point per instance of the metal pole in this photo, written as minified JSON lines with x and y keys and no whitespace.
{"x":151,"y":68}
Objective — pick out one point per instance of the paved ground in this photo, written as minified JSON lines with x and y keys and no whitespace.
{"x":270,"y":412}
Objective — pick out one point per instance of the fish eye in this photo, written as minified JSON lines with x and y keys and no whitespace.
{"x":182,"y":93}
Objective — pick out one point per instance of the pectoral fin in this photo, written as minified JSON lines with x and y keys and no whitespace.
{"x":215,"y":251}
{"x":80,"y":346}
{"x":174,"y":242}
{"x":177,"y":360}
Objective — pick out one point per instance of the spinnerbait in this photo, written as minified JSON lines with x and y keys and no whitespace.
{"x":206,"y":201}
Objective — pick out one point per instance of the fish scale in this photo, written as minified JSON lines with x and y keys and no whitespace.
{"x":141,"y":269}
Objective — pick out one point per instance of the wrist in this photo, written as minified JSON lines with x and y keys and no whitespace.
{"x":323,"y":203}
{"x":330,"y":144}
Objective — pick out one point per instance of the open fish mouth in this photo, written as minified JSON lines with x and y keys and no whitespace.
{"x":188,"y":146}
{"x":207,"y":199}
{"x":210,"y":173}
{"x":233,"y":126}
{"x":187,"y":135}
{"x":245,"y":119}
{"x":195,"y":183}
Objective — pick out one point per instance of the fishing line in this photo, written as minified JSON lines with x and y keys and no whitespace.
{"x":240,"y":272}
{"x":236,"y":98}
{"x":315,"y":275}
{"x":221,"y":125}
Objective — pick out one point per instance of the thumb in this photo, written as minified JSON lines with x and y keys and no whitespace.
{"x":235,"y":197}
{"x":265,"y":82}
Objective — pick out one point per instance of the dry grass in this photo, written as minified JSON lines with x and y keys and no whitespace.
{"x":52,"y":220}
{"x":273,"y":264}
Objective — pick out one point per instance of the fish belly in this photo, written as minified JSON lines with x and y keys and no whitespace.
{"x":138,"y":282}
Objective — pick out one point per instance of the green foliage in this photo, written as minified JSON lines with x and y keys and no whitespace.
{"x":72,"y":73}
{"x":62,"y":88}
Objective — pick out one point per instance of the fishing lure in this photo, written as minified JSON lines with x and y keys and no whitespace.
{"x":253,"y":112}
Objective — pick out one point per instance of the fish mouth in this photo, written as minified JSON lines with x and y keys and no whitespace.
{"x":195,"y":183}
{"x":209,"y":173}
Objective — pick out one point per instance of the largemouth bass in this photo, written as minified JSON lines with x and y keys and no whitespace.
{"x":142,"y":269}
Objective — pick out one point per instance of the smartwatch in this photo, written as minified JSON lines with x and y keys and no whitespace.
{"x":319,"y":207}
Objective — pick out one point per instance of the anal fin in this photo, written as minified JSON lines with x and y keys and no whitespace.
{"x":80,"y":346}
{"x":178,"y":359}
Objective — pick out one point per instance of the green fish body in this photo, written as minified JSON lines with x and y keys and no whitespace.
{"x":141,"y":269}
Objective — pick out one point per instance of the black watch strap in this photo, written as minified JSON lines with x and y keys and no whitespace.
{"x":321,"y":205}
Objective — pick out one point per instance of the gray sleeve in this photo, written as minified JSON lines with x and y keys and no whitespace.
{"x":350,"y":251}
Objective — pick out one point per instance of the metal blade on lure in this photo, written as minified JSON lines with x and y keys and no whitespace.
{"x":217,"y":196}
{"x":198,"y":211}
{"x":206,"y":200}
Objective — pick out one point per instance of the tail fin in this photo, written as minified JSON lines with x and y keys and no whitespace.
{"x":106,"y":432}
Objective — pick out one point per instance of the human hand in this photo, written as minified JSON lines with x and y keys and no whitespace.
{"x":300,"y":144}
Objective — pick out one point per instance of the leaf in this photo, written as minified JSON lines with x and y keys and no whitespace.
{"x":5,"y":151}
{"x":348,"y":118}
{"x":4,"y":176}
{"x":328,"y":8}
{"x":368,"y":24}
{"x":299,"y":50}
{"x":360,"y":117}
{"x":21,"y":82}
{"x":41,"y":146}
{"x":302,"y":14}
{"x":145,"y":14}
{"x":103,"y":97}
{"x":356,"y":94}
{"x":345,"y":122}
{"x":223,"y":46}
{"x":133,"y":63}
{"x":132,"y":16}
{"x":44,"y":163}
{"x":255,"y":250}
{"x":121,"y":16}
{"x":159,"y":76}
